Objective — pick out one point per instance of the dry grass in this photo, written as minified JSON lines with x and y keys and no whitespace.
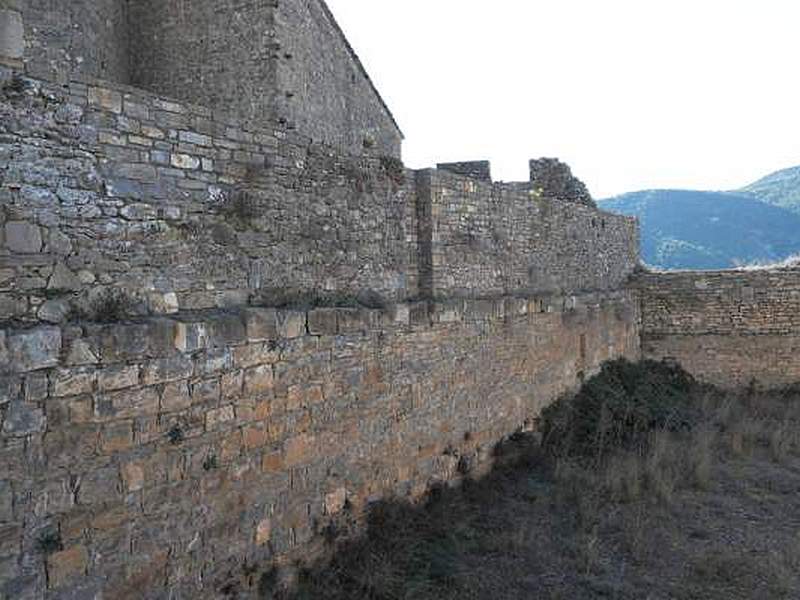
{"x":710,"y":513}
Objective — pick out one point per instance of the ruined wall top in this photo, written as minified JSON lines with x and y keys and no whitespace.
{"x":553,"y":179}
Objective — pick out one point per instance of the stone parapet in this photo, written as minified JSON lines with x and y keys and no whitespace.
{"x":182,"y":455}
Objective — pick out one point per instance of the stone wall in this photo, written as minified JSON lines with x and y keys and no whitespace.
{"x":184,"y":447}
{"x":111,"y":186}
{"x":221,"y":54}
{"x":553,"y":179}
{"x":726,"y":327}
{"x":176,"y":456}
{"x":67,"y":38}
{"x":323,"y":88}
{"x":251,"y":60}
{"x":500,"y":238}
{"x":476,"y":169}
{"x":108,"y":186}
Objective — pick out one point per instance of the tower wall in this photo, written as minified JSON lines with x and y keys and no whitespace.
{"x":64,"y":39}
{"x":323,"y":88}
{"x":218,"y":53}
{"x":258,"y":60}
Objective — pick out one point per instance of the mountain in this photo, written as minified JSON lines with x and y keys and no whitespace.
{"x":781,"y":188}
{"x":683,"y":229}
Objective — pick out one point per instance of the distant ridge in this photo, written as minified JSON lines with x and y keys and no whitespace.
{"x":781,"y":188}
{"x":685,"y":229}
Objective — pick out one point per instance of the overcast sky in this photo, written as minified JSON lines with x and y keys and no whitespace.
{"x":633,"y":94}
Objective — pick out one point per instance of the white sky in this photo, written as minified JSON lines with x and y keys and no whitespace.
{"x":633,"y":94}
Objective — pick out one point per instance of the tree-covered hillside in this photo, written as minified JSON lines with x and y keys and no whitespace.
{"x":781,"y":188}
{"x":684,"y":229}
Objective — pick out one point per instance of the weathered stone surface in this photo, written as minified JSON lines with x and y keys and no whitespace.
{"x":23,"y":419}
{"x":6,"y":501}
{"x":12,"y":34}
{"x":261,"y":324}
{"x":323,"y":321}
{"x":300,"y":412}
{"x":185,"y":161}
{"x":10,"y":388}
{"x":335,"y":501}
{"x":729,"y":328}
{"x":66,"y":565}
{"x":190,"y":337}
{"x":117,"y":377}
{"x":105,"y":98}
{"x":291,"y":324}
{"x":54,"y":311}
{"x":551,"y":178}
{"x":81,"y":353}
{"x":35,"y":349}
{"x":164,"y":370}
{"x":133,"y":476}
{"x":5,"y":355}
{"x":23,"y":237}
{"x":63,"y":279}
{"x":258,"y":380}
{"x":175,"y":397}
{"x":226,"y":330}
{"x":72,"y":382}
{"x":263,"y":532}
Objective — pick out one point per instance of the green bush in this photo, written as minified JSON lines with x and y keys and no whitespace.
{"x":112,"y":305}
{"x":303,"y":299}
{"x":620,"y":407}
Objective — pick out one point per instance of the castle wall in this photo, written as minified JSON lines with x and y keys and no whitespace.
{"x":247,"y":59}
{"x":108,"y":186}
{"x":175,"y":451}
{"x":220,"y":54}
{"x":726,"y":327}
{"x":111,"y":186}
{"x":76,"y":37}
{"x":499,"y":238}
{"x":323,"y":89}
{"x":286,"y":61}
{"x":176,"y":456}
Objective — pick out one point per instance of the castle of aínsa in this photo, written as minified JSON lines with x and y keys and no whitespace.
{"x":228,"y":312}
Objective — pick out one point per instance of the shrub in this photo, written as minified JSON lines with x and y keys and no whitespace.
{"x":240,"y":207}
{"x":394,"y":169}
{"x":303,"y":299}
{"x":49,"y":542}
{"x":111,"y":305}
{"x":620,"y":407}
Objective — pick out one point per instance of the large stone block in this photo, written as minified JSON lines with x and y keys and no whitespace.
{"x":23,"y":419}
{"x":66,"y":565}
{"x":12,"y":35}
{"x":261,"y":324}
{"x":106,"y":99}
{"x":226,"y":330}
{"x":34,"y":349}
{"x":23,"y":237}
{"x":291,"y":324}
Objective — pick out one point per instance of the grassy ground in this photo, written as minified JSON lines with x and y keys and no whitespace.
{"x":708,"y":509}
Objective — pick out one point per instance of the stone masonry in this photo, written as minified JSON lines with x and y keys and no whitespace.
{"x":111,"y":187}
{"x":730,"y":328}
{"x":187,"y":449}
{"x":175,"y":456}
{"x":185,"y":446}
{"x":261,"y":60}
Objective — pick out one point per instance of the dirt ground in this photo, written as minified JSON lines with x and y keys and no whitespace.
{"x":712,"y":513}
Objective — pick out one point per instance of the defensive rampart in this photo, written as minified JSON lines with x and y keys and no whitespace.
{"x":730,"y":328}
{"x":177,"y":454}
{"x":205,"y":435}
